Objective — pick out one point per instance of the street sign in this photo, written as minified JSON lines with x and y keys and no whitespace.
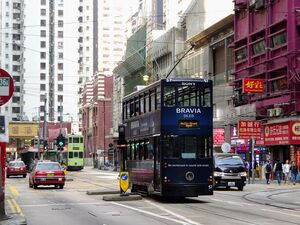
{"x":124,"y":181}
{"x":6,"y":87}
{"x":225,"y":147}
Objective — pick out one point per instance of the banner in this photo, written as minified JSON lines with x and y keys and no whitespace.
{"x":253,"y":85}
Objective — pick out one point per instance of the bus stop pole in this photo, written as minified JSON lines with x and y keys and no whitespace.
{"x":3,"y":215}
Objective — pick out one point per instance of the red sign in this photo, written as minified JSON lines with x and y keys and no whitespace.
{"x":250,"y":129}
{"x":253,"y":85}
{"x":219,"y":136}
{"x":286,"y":133}
{"x":6,"y":87}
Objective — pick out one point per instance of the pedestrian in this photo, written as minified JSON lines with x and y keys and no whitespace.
{"x":278,"y":171}
{"x":294,"y":172}
{"x":268,"y":171}
{"x":286,"y":171}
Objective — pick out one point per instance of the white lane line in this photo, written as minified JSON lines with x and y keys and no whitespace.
{"x":153,"y":214}
{"x":288,"y":214}
{"x":63,"y":204}
{"x":173,"y":213}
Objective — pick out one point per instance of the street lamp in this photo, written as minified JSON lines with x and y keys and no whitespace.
{"x":146,"y":78}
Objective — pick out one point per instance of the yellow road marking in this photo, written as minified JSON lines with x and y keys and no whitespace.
{"x":11,"y":206}
{"x":18,"y":208}
{"x":14,"y":191}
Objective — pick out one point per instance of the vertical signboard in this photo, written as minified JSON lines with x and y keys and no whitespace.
{"x":219,"y":136}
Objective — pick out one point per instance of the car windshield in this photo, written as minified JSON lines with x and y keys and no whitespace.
{"x":48,"y":166}
{"x":16,"y":164}
{"x":222,"y":160}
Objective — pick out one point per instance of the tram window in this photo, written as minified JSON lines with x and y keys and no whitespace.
{"x":149,"y":152}
{"x":194,"y":97}
{"x":152,"y":101}
{"x":76,"y":140}
{"x":75,"y":154}
{"x":81,"y":155}
{"x":142,"y":104}
{"x":137,"y":106}
{"x":158,"y":98}
{"x":170,"y":147}
{"x":81,"y":140}
{"x":206,"y":98}
{"x":70,"y":140}
{"x":131,"y":108}
{"x":70,"y":155}
{"x":183,"y":96}
{"x":147,"y":103}
{"x":169,"y":96}
{"x":127,"y":110}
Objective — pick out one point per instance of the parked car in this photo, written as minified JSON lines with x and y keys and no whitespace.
{"x":230,"y":171}
{"x":47,"y":173}
{"x":16,"y":168}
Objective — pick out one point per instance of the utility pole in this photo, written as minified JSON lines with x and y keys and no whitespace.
{"x":39,"y":138}
{"x":45,"y":124}
{"x":61,"y":117}
{"x":253,"y":160}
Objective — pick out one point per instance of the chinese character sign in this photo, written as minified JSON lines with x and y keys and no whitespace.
{"x":250,"y":129}
{"x":219,"y":136}
{"x":253,"y":86}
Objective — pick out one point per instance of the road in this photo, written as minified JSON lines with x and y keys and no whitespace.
{"x":257,"y":204}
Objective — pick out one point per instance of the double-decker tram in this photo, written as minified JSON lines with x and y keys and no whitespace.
{"x":73,"y":154}
{"x":168,"y":130}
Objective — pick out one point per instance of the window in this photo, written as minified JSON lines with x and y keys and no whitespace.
{"x":60,"y":34}
{"x":60,"y":108}
{"x":169,"y":96}
{"x":43,"y":66}
{"x":42,"y":87}
{"x":42,"y":76}
{"x":43,"y":55}
{"x":17,"y":89}
{"x":43,"y":23}
{"x":206,"y":98}
{"x":60,"y":23}
{"x":43,"y":33}
{"x":60,"y":87}
{"x":60,"y":77}
{"x":43,"y":44}
{"x":60,"y":55}
{"x":16,"y":78}
{"x":60,"y":98}
{"x":43,"y":2}
{"x":258,"y":47}
{"x":60,"y":13}
{"x":241,"y":54}
{"x":43,"y":12}
{"x":60,"y":66}
{"x":279,"y":39}
{"x":60,"y":45}
{"x":16,"y":100}
{"x":42,"y":98}
{"x":70,"y":155}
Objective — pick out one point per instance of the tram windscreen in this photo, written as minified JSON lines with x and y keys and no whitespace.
{"x":186,"y":147}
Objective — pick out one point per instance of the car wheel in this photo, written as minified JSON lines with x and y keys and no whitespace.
{"x":30,"y":185}
{"x":24,"y":175}
{"x":240,"y":188}
{"x":35,"y":186}
{"x":61,"y":186}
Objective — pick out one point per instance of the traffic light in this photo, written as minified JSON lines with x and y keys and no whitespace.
{"x":61,"y":141}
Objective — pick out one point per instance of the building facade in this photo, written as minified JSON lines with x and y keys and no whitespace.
{"x":266,"y":47}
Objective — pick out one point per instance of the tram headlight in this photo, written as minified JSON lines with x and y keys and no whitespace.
{"x":242,"y":174}
{"x":218,"y":174}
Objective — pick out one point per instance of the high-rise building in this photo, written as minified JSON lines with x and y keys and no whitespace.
{"x":50,"y":58}
{"x":12,"y":50}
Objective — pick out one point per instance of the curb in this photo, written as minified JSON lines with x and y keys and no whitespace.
{"x":102,"y":192}
{"x":13,"y":221}
{"x":122,"y":197}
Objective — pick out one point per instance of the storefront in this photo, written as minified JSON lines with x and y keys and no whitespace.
{"x":283,"y":140}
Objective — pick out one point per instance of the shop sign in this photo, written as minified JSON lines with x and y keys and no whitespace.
{"x":250,"y":129}
{"x":23,"y":129}
{"x":278,"y":134}
{"x":295,"y":132}
{"x":253,"y":85}
{"x":219,"y":136}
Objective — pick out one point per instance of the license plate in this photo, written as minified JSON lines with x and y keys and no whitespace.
{"x":17,"y":169}
{"x":231,"y":184}
{"x":50,"y":174}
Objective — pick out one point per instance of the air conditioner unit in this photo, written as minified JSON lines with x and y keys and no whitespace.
{"x":277,"y":111}
{"x":270,"y":112}
{"x":252,"y":3}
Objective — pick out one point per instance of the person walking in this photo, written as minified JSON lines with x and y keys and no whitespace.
{"x":294,"y":172}
{"x":286,"y":171}
{"x":278,"y":171}
{"x":268,"y":171}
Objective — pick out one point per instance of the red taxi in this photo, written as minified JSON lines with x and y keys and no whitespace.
{"x":47,"y":173}
{"x":16,"y":168}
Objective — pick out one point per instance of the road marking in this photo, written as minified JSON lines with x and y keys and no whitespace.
{"x":172,"y":213}
{"x":14,"y":191}
{"x":289,"y":214}
{"x":12,"y":208}
{"x":64,"y":204}
{"x":18,"y":208}
{"x":153,"y":214}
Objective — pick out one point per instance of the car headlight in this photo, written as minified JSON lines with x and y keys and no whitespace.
{"x":218,"y":174}
{"x":243,"y":174}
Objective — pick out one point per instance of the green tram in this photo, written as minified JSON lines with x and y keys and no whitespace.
{"x":73,"y":153}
